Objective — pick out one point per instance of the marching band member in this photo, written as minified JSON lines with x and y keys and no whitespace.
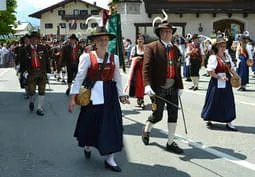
{"x":196,"y":56}
{"x":35,"y":66}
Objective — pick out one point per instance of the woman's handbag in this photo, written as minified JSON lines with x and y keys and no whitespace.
{"x":83,"y":98}
{"x":249,"y":62}
{"x":235,"y":82}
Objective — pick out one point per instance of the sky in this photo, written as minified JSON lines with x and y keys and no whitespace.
{"x":27,"y":7}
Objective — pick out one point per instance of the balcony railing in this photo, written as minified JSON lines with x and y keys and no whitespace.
{"x":77,"y":17}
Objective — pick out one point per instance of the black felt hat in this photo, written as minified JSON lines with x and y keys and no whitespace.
{"x":101,"y":31}
{"x":164,"y":25}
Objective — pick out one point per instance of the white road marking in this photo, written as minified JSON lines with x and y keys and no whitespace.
{"x":4,"y":71}
{"x":219,"y":154}
{"x":247,"y":103}
{"x":203,"y":94}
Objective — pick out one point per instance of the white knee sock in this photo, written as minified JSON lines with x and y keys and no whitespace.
{"x":40,"y":101}
{"x":196,"y":81}
{"x":110,"y":160}
{"x":87,"y":148}
{"x":171,"y":132}
{"x":148,"y":126}
{"x":193,"y":80}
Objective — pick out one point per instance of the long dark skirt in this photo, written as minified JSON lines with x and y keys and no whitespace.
{"x":243,"y":70}
{"x":195,"y":66}
{"x":100,"y":126}
{"x":219,"y":103}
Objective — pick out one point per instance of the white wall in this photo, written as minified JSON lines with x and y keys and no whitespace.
{"x":192,"y":22}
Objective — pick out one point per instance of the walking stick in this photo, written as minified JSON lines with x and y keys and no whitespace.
{"x":167,"y":101}
{"x":184,"y":122}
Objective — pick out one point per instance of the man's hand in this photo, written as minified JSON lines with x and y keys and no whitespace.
{"x":124,"y":100}
{"x":25,"y":74}
{"x":148,"y":90}
{"x":180,"y":91}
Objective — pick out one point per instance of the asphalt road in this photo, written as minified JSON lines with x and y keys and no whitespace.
{"x":33,"y":146}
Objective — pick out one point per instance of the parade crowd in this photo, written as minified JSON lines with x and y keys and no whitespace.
{"x":154,"y":70}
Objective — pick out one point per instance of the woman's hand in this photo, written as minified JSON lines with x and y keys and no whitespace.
{"x":224,"y":78}
{"x":71,"y":104}
{"x":124,"y":100}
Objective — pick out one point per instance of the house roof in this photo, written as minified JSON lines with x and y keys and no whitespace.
{"x":60,"y":4}
{"x":139,"y":1}
{"x":22,"y":26}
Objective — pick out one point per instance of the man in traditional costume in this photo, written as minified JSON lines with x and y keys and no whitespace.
{"x":35,"y":66}
{"x":162,"y":77}
{"x":196,"y":55}
{"x":70,"y":59}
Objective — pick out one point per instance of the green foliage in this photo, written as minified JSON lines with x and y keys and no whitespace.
{"x":9,"y":41}
{"x":8,"y":18}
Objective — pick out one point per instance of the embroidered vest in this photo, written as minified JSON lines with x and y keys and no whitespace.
{"x":171,"y":63}
{"x":107,"y":74}
{"x":35,"y":59}
{"x":195,"y":55}
{"x":74,"y":53}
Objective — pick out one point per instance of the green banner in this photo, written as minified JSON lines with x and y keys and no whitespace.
{"x":116,"y":46}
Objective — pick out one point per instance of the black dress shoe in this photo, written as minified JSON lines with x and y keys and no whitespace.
{"x":191,"y":88}
{"x":87,"y":154}
{"x":40,"y":112}
{"x":146,"y":137}
{"x":231,"y":128}
{"x":174,"y":148}
{"x":113,"y":168}
{"x":31,"y":106}
{"x":68,"y":91}
{"x":188,"y":80}
{"x":209,"y":124}
{"x":195,"y":88}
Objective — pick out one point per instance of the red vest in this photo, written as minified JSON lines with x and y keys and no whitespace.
{"x":221,"y":66}
{"x":74,"y":53}
{"x":107,"y":74}
{"x":35,"y":59}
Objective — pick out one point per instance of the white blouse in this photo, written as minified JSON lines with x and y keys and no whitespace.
{"x":132,"y":53}
{"x":212,"y":62}
{"x":97,"y":94}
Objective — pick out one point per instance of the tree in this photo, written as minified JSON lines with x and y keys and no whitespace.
{"x":8,"y":18}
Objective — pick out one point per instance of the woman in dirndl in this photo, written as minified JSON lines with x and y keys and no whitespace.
{"x":135,"y":80}
{"x":99,"y":123}
{"x":242,"y":67}
{"x":219,"y":103}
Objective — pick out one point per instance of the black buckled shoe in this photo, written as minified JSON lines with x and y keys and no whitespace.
{"x":40,"y":112}
{"x":174,"y":148}
{"x":31,"y":106}
{"x":113,"y":168}
{"x":146,"y":137}
{"x":87,"y":154}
